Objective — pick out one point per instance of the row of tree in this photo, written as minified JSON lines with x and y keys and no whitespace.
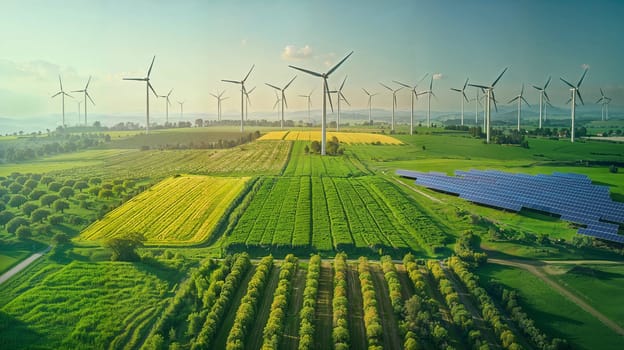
{"x":372,"y":321}
{"x":274,"y":327}
{"x":247,"y":311}
{"x":394,"y":284}
{"x":20,"y":151}
{"x":307,"y":312}
{"x":340,"y":304}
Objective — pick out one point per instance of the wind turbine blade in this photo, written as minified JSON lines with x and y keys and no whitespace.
{"x":215,"y":96}
{"x":90,"y":99}
{"x":284,"y":98}
{"x":465,"y":97}
{"x":402,"y":84}
{"x":138,"y":79}
{"x":276,"y":102}
{"x":431,"y":84}
{"x":600,"y":99}
{"x":537,"y":88}
{"x":568,"y":83}
{"x":343,"y":82}
{"x":273,"y":86}
{"x":221,"y":94}
{"x":168,"y":102}
{"x":386,"y":86}
{"x":454,"y":89}
{"x":582,"y":77}
{"x":338,"y":65}
{"x":344,"y":98}
{"x":225,"y":98}
{"x":522,"y":90}
{"x":88,"y":81}
{"x":500,"y":76}
{"x":479,"y":86}
{"x":328,"y":95}
{"x":307,"y":71}
{"x":250,"y":91}
{"x":546,"y":95}
{"x":602,"y":93}
{"x":466,"y":83}
{"x":68,"y":95}
{"x":578,"y":93}
{"x":247,"y":76}
{"x":366,"y":92}
{"x":152,"y":88}
{"x":394,"y":98}
{"x":525,"y":101}
{"x":78,"y":91}
{"x":149,"y":71}
{"x":547,"y":82}
{"x":56,"y":94}
{"x":290,"y":82}
{"x":169,"y":94}
{"x":231,"y":81}
{"x":421,"y":79}
{"x":311,"y":91}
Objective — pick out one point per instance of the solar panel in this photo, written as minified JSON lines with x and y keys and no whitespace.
{"x":571,"y":196}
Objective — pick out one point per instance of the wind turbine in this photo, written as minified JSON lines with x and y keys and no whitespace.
{"x":394,"y":102}
{"x":520,"y":98}
{"x":181,"y":109}
{"x":219,"y":98}
{"x":429,"y":93}
{"x":414,"y":94}
{"x":543,"y":94}
{"x":340,"y":97}
{"x":326,"y":94}
{"x":167,"y":104}
{"x":277,"y":101}
{"x":574,"y":89}
{"x":463,"y":94}
{"x":477,"y":100}
{"x":242,"y":83}
{"x":489,"y":93}
{"x":86,"y":94}
{"x":148,"y":87}
{"x":248,"y":102}
{"x":604,"y":100}
{"x":63,"y":94}
{"x":283,"y":97}
{"x":370,"y":105}
{"x":308,"y":96}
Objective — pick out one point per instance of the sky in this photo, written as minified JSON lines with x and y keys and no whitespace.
{"x":198,"y":43}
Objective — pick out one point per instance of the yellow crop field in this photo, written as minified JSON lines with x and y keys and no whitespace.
{"x":345,"y":137}
{"x":178,"y":210}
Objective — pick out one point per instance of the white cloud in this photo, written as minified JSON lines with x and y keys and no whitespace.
{"x":293,"y":53}
{"x":585,"y":66}
{"x":438,"y":76}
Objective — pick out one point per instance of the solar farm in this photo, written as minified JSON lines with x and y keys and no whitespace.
{"x":571,"y":196}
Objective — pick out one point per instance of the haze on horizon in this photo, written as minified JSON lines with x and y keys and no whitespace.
{"x":198,"y":43}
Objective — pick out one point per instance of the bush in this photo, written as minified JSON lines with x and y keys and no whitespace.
{"x":5,"y":217}
{"x":613,"y":169}
{"x":124,"y":247}
{"x":38,"y":215}
{"x":56,"y":219}
{"x":23,"y":233}
{"x":17,"y":200}
{"x":28,"y":208}
{"x":15,"y":223}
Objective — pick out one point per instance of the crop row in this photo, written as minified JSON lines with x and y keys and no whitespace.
{"x":372,"y":321}
{"x":183,"y":209}
{"x":340,"y":303}
{"x":307,"y":313}
{"x":308,"y":164}
{"x":275,"y":324}
{"x":333,"y":214}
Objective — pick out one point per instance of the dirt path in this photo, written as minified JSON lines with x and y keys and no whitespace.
{"x":407,"y":289}
{"x":391,"y":337}
{"x":537,"y":272}
{"x":324,"y":316}
{"x":290,"y":339}
{"x":255,"y":338}
{"x":22,"y":265}
{"x":357,"y":329}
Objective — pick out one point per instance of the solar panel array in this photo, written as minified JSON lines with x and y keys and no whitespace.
{"x":572,"y":196}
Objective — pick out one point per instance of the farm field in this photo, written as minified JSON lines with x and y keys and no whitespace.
{"x":344,"y":137}
{"x":179,"y":210}
{"x":301,"y":163}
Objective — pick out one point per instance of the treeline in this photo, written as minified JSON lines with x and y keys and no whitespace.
{"x":274,"y":327}
{"x":372,"y":321}
{"x":36,"y":147}
{"x":332,"y":147}
{"x":465,"y":248}
{"x":340,"y":303}
{"x":219,"y":144}
{"x":307,"y":313}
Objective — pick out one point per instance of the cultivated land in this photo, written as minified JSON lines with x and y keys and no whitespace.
{"x":200,"y":203}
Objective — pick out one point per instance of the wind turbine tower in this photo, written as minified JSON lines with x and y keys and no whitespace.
{"x":148,"y":87}
{"x":308,"y":96}
{"x":489,"y":97}
{"x":370,"y":105}
{"x":463,"y":94}
{"x":242,"y":83}
{"x":181,"y":109}
{"x":543,"y":95}
{"x":340,"y":97}
{"x":326,"y":94}
{"x":604,"y":100}
{"x":219,"y":98}
{"x":248,"y":102}
{"x":167,"y":104}
{"x":79,"y":102}
{"x":429,"y":93}
{"x":394,"y":100}
{"x":520,"y":98}
{"x":63,"y":94}
{"x":283,"y":97}
{"x":574,"y":90}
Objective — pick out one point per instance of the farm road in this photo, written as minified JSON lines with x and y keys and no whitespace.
{"x":537,"y":272}
{"x":22,"y":265}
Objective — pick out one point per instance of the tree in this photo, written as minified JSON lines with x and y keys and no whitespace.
{"x":15,"y":187}
{"x":23,"y":233}
{"x":61,"y":238}
{"x":81,"y":185}
{"x":17,"y":200}
{"x":60,"y":205}
{"x":124,"y":247}
{"x":46,"y":180}
{"x":48,"y":199}
{"x":118,"y":189}
{"x":613,"y":169}
{"x":29,"y":208}
{"x":15,"y":223}
{"x":69,"y":182}
{"x":36,"y":194}
{"x":105,"y":193}
{"x":5,"y":216}
{"x":315,"y":147}
{"x":66,"y":192}
{"x":55,"y":186}
{"x":31,"y":184}
{"x":95,"y":181}
{"x":39,"y":215}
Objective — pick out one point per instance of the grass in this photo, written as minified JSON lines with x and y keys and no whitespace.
{"x":554,"y":314}
{"x":598,"y":285}
{"x":85,"y":305}
{"x":179,"y":210}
